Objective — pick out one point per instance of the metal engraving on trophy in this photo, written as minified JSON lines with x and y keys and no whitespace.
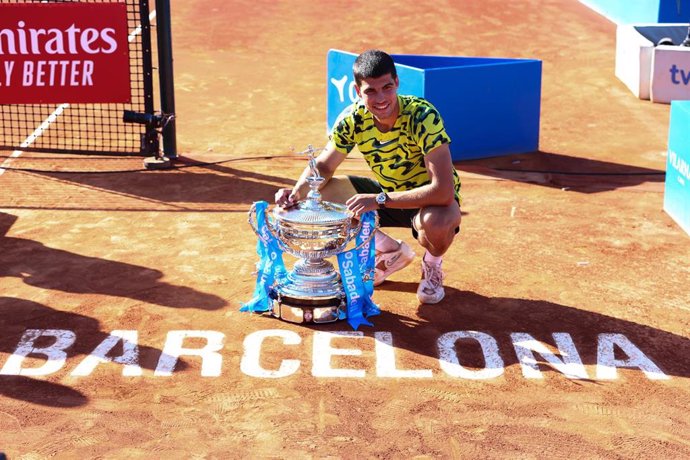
{"x":312,"y":230}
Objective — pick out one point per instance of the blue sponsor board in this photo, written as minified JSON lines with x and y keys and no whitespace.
{"x":677,"y":186}
{"x":630,"y":11}
{"x":490,"y":106}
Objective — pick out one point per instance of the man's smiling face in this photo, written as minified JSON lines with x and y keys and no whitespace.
{"x":380,"y":96}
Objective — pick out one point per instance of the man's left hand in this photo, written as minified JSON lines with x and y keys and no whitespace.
{"x":361,"y":203}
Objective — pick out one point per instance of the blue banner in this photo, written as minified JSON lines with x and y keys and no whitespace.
{"x":271,"y":267}
{"x":677,"y":186}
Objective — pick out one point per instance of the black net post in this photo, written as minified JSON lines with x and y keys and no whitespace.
{"x":149,"y":139}
{"x":165,"y":73}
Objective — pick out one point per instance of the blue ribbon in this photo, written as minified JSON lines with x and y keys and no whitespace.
{"x":357,"y":291}
{"x":270,"y":267}
{"x":367,"y":262}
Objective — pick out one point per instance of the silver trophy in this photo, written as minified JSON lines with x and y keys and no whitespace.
{"x":312,"y":230}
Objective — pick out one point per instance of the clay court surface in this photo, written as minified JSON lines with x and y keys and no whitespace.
{"x":557,"y":251}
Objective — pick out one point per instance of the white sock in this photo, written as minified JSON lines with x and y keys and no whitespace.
{"x":384,"y":243}
{"x":432,"y":259}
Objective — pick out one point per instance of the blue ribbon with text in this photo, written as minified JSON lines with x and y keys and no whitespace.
{"x":352,"y":264}
{"x":270,"y":267}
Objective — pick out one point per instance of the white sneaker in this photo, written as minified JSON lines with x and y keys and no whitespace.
{"x":431,"y":286}
{"x":388,"y":263}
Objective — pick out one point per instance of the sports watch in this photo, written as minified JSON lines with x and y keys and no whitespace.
{"x":381,"y":199}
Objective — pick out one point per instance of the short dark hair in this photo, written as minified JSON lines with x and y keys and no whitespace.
{"x":373,"y":64}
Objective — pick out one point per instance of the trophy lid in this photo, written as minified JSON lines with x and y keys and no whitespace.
{"x":313,"y":212}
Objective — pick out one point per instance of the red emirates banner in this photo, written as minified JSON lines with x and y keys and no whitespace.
{"x":64,"y":53}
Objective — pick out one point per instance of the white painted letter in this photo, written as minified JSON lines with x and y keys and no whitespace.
{"x":9,"y":67}
{"x":108,"y":36}
{"x":129,"y":357}
{"x":352,"y":92}
{"x":385,"y":360}
{"x":571,"y":365}
{"x":607,"y":363}
{"x":323,"y":351}
{"x":252,"y":354}
{"x":340,"y":86}
{"x":87,"y":74}
{"x":28,"y":73}
{"x":55,"y":352}
{"x":448,"y":357}
{"x":211,"y":360}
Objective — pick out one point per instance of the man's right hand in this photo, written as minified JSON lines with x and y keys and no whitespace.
{"x":285,"y":198}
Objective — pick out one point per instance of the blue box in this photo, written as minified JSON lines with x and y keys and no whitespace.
{"x":629,"y":11}
{"x":677,"y":186}
{"x":490,"y":106}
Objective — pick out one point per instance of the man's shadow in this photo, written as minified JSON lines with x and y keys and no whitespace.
{"x":48,"y":268}
{"x":501,"y":316}
{"x":18,"y":315}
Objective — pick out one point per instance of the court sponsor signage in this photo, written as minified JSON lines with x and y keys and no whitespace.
{"x":670,"y":74}
{"x":43,"y":352}
{"x":660,"y":73}
{"x":64,"y":53}
{"x":648,"y":11}
{"x":677,"y":184}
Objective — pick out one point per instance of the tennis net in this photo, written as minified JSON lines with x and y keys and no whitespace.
{"x":89,"y":128}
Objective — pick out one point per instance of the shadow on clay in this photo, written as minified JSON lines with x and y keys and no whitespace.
{"x":562,"y":171}
{"x":501,"y":316}
{"x":18,"y":315}
{"x":203,"y":184}
{"x":50,"y":268}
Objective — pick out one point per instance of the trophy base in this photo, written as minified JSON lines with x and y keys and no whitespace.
{"x":312,"y":293}
{"x":308,"y":310}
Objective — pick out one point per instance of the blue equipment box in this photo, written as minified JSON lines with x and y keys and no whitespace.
{"x":677,"y":186}
{"x":490,"y":106}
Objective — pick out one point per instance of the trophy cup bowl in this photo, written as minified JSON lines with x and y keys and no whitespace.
{"x":312,"y":230}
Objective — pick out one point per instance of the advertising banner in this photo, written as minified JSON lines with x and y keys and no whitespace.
{"x":64,"y":53}
{"x":677,"y":185}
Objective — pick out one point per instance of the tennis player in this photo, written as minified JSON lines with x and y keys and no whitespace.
{"x":406,"y":146}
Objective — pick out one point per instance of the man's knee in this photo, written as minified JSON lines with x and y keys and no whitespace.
{"x":439,"y":219}
{"x":437,"y":227}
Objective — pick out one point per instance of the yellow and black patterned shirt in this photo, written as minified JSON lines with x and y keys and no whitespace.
{"x":396,"y":157}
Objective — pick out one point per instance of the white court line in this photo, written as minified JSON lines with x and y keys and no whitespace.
{"x":53,"y":116}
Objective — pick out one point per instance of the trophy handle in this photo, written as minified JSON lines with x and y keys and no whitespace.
{"x":358,"y":228}
{"x":254,"y":223}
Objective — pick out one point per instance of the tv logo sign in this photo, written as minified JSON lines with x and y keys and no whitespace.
{"x":670,"y":74}
{"x":684,"y":75}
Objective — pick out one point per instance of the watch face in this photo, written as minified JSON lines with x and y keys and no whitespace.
{"x":381,"y":198}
